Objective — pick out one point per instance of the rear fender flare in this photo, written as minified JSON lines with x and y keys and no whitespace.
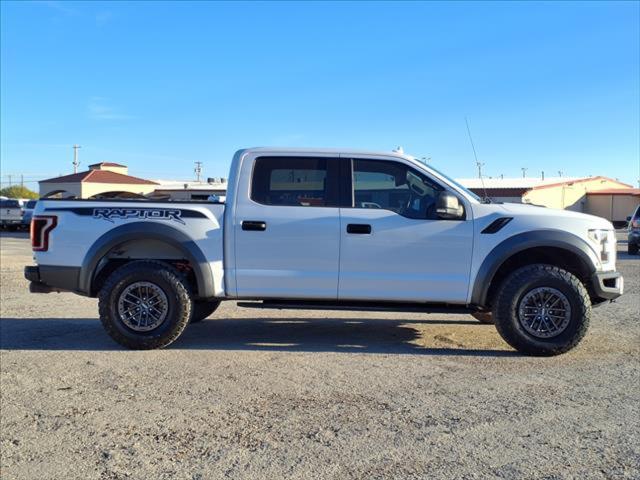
{"x":152,"y":231}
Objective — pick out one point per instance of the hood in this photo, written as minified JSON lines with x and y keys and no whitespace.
{"x":534,"y":210}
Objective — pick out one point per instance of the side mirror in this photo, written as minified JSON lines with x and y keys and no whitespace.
{"x":448,"y":207}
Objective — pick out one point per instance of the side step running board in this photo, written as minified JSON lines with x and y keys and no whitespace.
{"x":356,"y":306}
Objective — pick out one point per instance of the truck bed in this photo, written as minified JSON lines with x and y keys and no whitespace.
{"x":84,"y":227}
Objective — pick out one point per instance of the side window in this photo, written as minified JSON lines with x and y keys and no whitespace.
{"x":293,"y":181}
{"x":394,"y":186}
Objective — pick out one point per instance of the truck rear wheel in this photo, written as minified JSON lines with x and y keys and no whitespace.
{"x":632,"y":248}
{"x":202,"y":309}
{"x":542,"y":310}
{"x":145,"y":305}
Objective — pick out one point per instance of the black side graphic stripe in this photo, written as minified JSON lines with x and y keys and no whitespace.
{"x":496,"y":225}
{"x":89,"y":211}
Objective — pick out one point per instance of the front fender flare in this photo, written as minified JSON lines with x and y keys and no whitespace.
{"x":523,"y":241}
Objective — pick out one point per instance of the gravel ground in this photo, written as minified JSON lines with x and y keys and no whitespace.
{"x":317,"y":394}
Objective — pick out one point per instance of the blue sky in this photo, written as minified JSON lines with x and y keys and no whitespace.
{"x":157,"y":86}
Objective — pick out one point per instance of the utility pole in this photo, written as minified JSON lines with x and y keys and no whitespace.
{"x":560,"y":173}
{"x":75,"y":158}
{"x":22,"y":180}
{"x":198,"y":171}
{"x":524,"y":171}
{"x":9,"y":179}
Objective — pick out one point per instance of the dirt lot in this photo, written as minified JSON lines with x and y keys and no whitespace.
{"x":269,"y":394}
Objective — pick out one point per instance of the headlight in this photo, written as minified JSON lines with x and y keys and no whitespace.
{"x":604,"y":242}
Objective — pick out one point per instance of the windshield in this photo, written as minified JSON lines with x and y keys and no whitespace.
{"x":453,"y":182}
{"x":9,"y":204}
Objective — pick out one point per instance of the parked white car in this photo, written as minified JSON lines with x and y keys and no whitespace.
{"x":11,"y":213}
{"x":329,"y":229}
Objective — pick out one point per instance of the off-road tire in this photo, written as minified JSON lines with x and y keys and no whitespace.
{"x":525,"y":279}
{"x":632,"y":248}
{"x":202,"y":309}
{"x":172,"y":283}
{"x":484,"y":317}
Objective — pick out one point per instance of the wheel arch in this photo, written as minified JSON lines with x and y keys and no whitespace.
{"x":558,"y":248}
{"x":133,"y":233}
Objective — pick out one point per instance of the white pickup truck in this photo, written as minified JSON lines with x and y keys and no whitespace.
{"x":11,"y":212}
{"x":329,"y":229}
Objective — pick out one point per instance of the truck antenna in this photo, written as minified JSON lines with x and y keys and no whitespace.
{"x":478,"y":164}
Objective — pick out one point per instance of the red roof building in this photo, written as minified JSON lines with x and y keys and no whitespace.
{"x":102,"y":179}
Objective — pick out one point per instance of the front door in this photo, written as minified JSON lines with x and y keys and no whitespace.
{"x":287,"y":232}
{"x":393,"y":245}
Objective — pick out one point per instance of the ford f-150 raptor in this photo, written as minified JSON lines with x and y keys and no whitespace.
{"x":332,"y":229}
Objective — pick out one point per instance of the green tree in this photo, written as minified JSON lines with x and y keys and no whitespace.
{"x":17,"y":191}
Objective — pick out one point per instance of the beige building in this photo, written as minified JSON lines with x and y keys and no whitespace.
{"x":571,"y":194}
{"x":511,"y":190}
{"x":615,"y":204}
{"x":101,"y":180}
{"x":602,"y":196}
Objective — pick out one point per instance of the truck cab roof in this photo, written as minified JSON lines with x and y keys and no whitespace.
{"x":345,"y":152}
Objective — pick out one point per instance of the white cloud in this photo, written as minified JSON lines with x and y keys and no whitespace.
{"x":100,"y":109}
{"x":102,"y":18}
{"x":60,"y":7}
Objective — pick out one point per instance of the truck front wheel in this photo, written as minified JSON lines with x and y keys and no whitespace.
{"x":145,"y":305}
{"x":202,"y":309}
{"x":542,"y":310}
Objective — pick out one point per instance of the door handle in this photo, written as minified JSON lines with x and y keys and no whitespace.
{"x":255,"y":225}
{"x":359,"y":228}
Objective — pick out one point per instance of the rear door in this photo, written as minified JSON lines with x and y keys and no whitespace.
{"x":393,"y":245}
{"x":287,"y":237}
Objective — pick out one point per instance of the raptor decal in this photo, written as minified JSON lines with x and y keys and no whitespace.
{"x":110,"y":214}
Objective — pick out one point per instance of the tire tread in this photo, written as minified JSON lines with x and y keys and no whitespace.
{"x":503,"y":306}
{"x":169,"y":275}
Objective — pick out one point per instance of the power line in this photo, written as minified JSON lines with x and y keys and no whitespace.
{"x":25,"y":182}
{"x":478,"y":164}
